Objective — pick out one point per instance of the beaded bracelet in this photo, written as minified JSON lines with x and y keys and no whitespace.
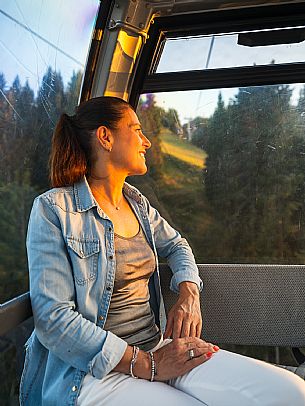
{"x":153,"y":367}
{"x":135,"y":353}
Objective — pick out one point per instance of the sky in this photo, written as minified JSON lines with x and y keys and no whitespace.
{"x":219,"y":51}
{"x":65,"y":26}
{"x":69,"y":29}
{"x":194,"y":103}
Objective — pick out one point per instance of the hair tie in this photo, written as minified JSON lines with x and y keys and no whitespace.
{"x":67,"y":119}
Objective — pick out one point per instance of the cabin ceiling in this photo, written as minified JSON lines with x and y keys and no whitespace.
{"x":172,"y":7}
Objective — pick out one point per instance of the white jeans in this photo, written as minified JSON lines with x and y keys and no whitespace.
{"x":227,"y":379}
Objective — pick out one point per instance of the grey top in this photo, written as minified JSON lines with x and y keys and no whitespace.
{"x":130,"y":316}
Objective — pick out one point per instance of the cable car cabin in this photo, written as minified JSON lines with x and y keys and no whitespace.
{"x":219,"y":87}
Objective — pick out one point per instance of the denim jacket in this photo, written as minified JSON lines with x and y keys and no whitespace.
{"x":71,"y":257}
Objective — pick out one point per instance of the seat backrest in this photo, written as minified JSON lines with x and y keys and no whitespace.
{"x":241,"y":304}
{"x":249,"y":304}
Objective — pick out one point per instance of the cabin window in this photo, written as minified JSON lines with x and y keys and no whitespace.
{"x":228,"y":50}
{"x":228,"y":167}
{"x":43,"y":50}
{"x":223,"y":102}
{"x":225,"y":109}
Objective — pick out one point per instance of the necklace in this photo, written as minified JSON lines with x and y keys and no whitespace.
{"x":116,"y":206}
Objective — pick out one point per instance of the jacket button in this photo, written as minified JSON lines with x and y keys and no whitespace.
{"x":110,"y":256}
{"x":108,"y":288}
{"x":101,"y":317}
{"x":74,"y":389}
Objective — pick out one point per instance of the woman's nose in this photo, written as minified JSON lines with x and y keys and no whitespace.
{"x":146,"y":142}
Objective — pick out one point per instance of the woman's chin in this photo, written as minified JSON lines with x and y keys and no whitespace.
{"x":144,"y":170}
{"x":139,"y":171}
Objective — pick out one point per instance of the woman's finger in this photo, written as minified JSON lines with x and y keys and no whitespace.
{"x":169,"y":327}
{"x":196,"y":352}
{"x":177,"y":327}
{"x":193,"y":330}
{"x":200,"y":360}
{"x":186,"y":328}
{"x":199,"y":329}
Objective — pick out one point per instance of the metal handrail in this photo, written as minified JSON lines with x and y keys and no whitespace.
{"x":14,"y":312}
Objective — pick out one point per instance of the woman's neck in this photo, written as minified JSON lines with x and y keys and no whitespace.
{"x":105,"y":188}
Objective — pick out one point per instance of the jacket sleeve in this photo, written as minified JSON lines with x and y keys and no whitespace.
{"x":175,"y":249}
{"x":58,"y":325}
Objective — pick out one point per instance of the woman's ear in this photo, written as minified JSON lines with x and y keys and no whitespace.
{"x":104,"y":137}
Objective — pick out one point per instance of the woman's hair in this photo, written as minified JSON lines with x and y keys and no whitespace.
{"x":71,"y":150}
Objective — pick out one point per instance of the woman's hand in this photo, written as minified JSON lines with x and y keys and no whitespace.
{"x":184,"y":318}
{"x":174,"y":360}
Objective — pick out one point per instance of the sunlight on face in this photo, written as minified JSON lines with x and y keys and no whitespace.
{"x":130,"y":145}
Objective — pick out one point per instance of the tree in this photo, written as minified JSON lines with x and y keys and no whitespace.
{"x":150,"y":116}
{"x":72,"y":93}
{"x":15,"y":204}
{"x":170,"y":120}
{"x":26,"y":125}
{"x":11,"y":130}
{"x":253,"y":173}
{"x":51,"y":101}
{"x":198,"y":128}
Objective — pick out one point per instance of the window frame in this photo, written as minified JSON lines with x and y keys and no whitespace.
{"x":213,"y":22}
{"x":94,"y":49}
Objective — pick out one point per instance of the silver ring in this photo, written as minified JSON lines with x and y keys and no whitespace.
{"x":191,"y":354}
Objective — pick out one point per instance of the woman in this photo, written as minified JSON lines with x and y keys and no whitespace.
{"x":92,"y":243}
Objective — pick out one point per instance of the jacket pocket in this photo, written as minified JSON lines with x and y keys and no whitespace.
{"x":84,"y":257}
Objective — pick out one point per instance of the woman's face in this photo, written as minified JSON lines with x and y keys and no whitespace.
{"x":129,"y":145}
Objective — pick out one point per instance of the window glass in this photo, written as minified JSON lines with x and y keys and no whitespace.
{"x":223,"y":51}
{"x":43,"y":48}
{"x":227,"y":168}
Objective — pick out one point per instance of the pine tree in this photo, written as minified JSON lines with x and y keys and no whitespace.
{"x":150,"y":116}
{"x":253,"y":174}
{"x":51,"y":102}
{"x":10,"y":131}
{"x":72,"y":93}
{"x":170,"y":120}
{"x":198,"y":128}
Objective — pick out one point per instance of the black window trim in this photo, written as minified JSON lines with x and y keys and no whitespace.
{"x":276,"y":16}
{"x":225,"y":78}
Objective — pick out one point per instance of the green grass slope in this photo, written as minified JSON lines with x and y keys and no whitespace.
{"x":182,"y":149}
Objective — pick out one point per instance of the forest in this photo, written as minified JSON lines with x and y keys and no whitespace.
{"x":247,"y":204}
{"x":26,"y":125}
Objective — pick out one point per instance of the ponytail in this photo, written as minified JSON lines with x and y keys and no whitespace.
{"x":71,"y":153}
{"x":68,"y":161}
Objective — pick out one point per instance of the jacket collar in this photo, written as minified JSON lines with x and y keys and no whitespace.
{"x":85,"y":200}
